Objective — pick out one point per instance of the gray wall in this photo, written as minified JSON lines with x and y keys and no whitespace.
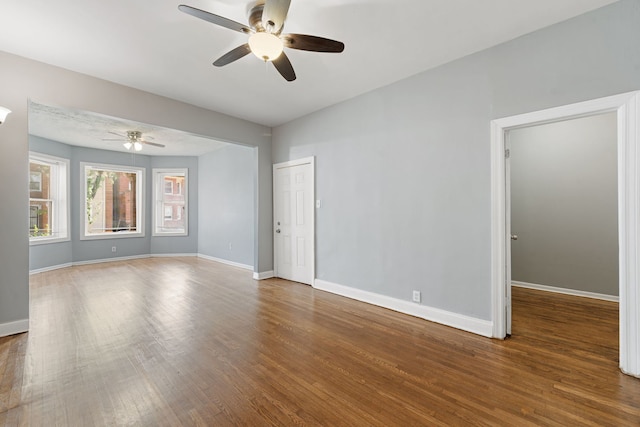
{"x":226,"y":207}
{"x":180,"y":244}
{"x":404,"y":171}
{"x":42,"y":256}
{"x":564,"y":204}
{"x":88,"y":250}
{"x":76,"y":250}
{"x":25,"y":79}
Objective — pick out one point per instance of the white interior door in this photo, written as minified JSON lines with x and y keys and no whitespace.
{"x":293,"y":184}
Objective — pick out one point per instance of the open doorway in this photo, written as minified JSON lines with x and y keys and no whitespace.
{"x":627,"y":110}
{"x":563,"y":204}
{"x":564,"y":234}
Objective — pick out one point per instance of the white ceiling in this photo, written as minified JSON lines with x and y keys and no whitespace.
{"x":152,"y":46}
{"x":88,"y":129}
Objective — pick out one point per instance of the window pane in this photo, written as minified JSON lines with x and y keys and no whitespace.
{"x":40,"y":218}
{"x":168,"y":186}
{"x":39,"y":180}
{"x":170,"y":202}
{"x":111,"y":201}
{"x":48,"y":201}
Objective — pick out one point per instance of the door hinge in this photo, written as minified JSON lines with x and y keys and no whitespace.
{"x":507,"y":153}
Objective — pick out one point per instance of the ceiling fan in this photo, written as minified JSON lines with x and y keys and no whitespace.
{"x":266,"y":41}
{"x":133,"y":139}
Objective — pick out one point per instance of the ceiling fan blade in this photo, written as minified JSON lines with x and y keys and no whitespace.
{"x":274,"y":15}
{"x":116,"y":133}
{"x":214,"y":19}
{"x":155,"y":144}
{"x":284,"y":67}
{"x":233,"y":55}
{"x":114,"y":139}
{"x":312,"y":43}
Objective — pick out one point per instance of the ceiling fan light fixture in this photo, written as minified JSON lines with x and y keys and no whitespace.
{"x":127,"y":145}
{"x":265,"y":46}
{"x":137,"y":146}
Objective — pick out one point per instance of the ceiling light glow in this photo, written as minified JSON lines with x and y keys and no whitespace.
{"x":265,"y":46}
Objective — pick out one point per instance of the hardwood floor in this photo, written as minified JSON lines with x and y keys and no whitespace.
{"x":186,"y":341}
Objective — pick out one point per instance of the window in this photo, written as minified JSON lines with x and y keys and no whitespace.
{"x":170,"y":202}
{"x":48,"y":199}
{"x":35,"y":181}
{"x":112,"y":201}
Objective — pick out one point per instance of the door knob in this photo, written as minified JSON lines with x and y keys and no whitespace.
{"x":278,"y":230}
{"x":514,"y":237}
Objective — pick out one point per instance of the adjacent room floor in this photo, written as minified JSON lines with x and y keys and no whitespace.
{"x":186,"y":341}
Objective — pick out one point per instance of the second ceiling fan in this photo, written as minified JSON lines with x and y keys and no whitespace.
{"x":266,"y":41}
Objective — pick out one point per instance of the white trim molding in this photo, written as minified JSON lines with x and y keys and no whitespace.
{"x":179,"y":255}
{"x":565,"y":291}
{"x":103,"y":260}
{"x":263,"y":275}
{"x":226,"y":262}
{"x":12,"y":328}
{"x":455,"y":320}
{"x":627,"y":107}
{"x":50,"y":268}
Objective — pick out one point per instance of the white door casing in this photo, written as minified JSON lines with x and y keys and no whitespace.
{"x":294,"y":220}
{"x":627,"y":107}
{"x":507,"y":217}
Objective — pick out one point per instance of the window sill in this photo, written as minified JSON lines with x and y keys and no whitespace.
{"x":47,"y":240}
{"x":118,"y":235}
{"x":168,"y":234}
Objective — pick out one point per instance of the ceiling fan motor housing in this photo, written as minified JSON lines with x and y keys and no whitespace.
{"x":134,"y":135}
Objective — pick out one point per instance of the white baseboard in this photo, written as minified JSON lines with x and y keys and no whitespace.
{"x":51,"y":268}
{"x":458,"y":321}
{"x":12,"y":328}
{"x":263,"y":275}
{"x":126,"y":258}
{"x":172,"y":255}
{"x":565,"y":291}
{"x":227,"y":262}
{"x":121,"y":258}
{"x":91,"y":261}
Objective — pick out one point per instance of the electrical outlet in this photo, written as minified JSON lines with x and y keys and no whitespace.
{"x":416,"y":296}
{"x":113,"y":249}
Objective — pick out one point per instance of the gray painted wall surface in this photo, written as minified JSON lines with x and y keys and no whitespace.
{"x":76,"y":250}
{"x":180,"y":244}
{"x":564,"y":204}
{"x":41,"y":256}
{"x":26,"y":79}
{"x":226,"y":207}
{"x":404,"y":171}
{"x":88,"y":250}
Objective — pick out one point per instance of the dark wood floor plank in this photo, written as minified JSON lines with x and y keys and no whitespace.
{"x":186,"y":341}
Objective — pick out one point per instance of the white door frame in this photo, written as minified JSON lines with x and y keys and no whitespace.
{"x":627,"y":106}
{"x":304,"y":161}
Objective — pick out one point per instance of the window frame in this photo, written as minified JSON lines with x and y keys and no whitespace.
{"x":60,"y":201}
{"x":140,"y":201}
{"x":158,"y":175}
